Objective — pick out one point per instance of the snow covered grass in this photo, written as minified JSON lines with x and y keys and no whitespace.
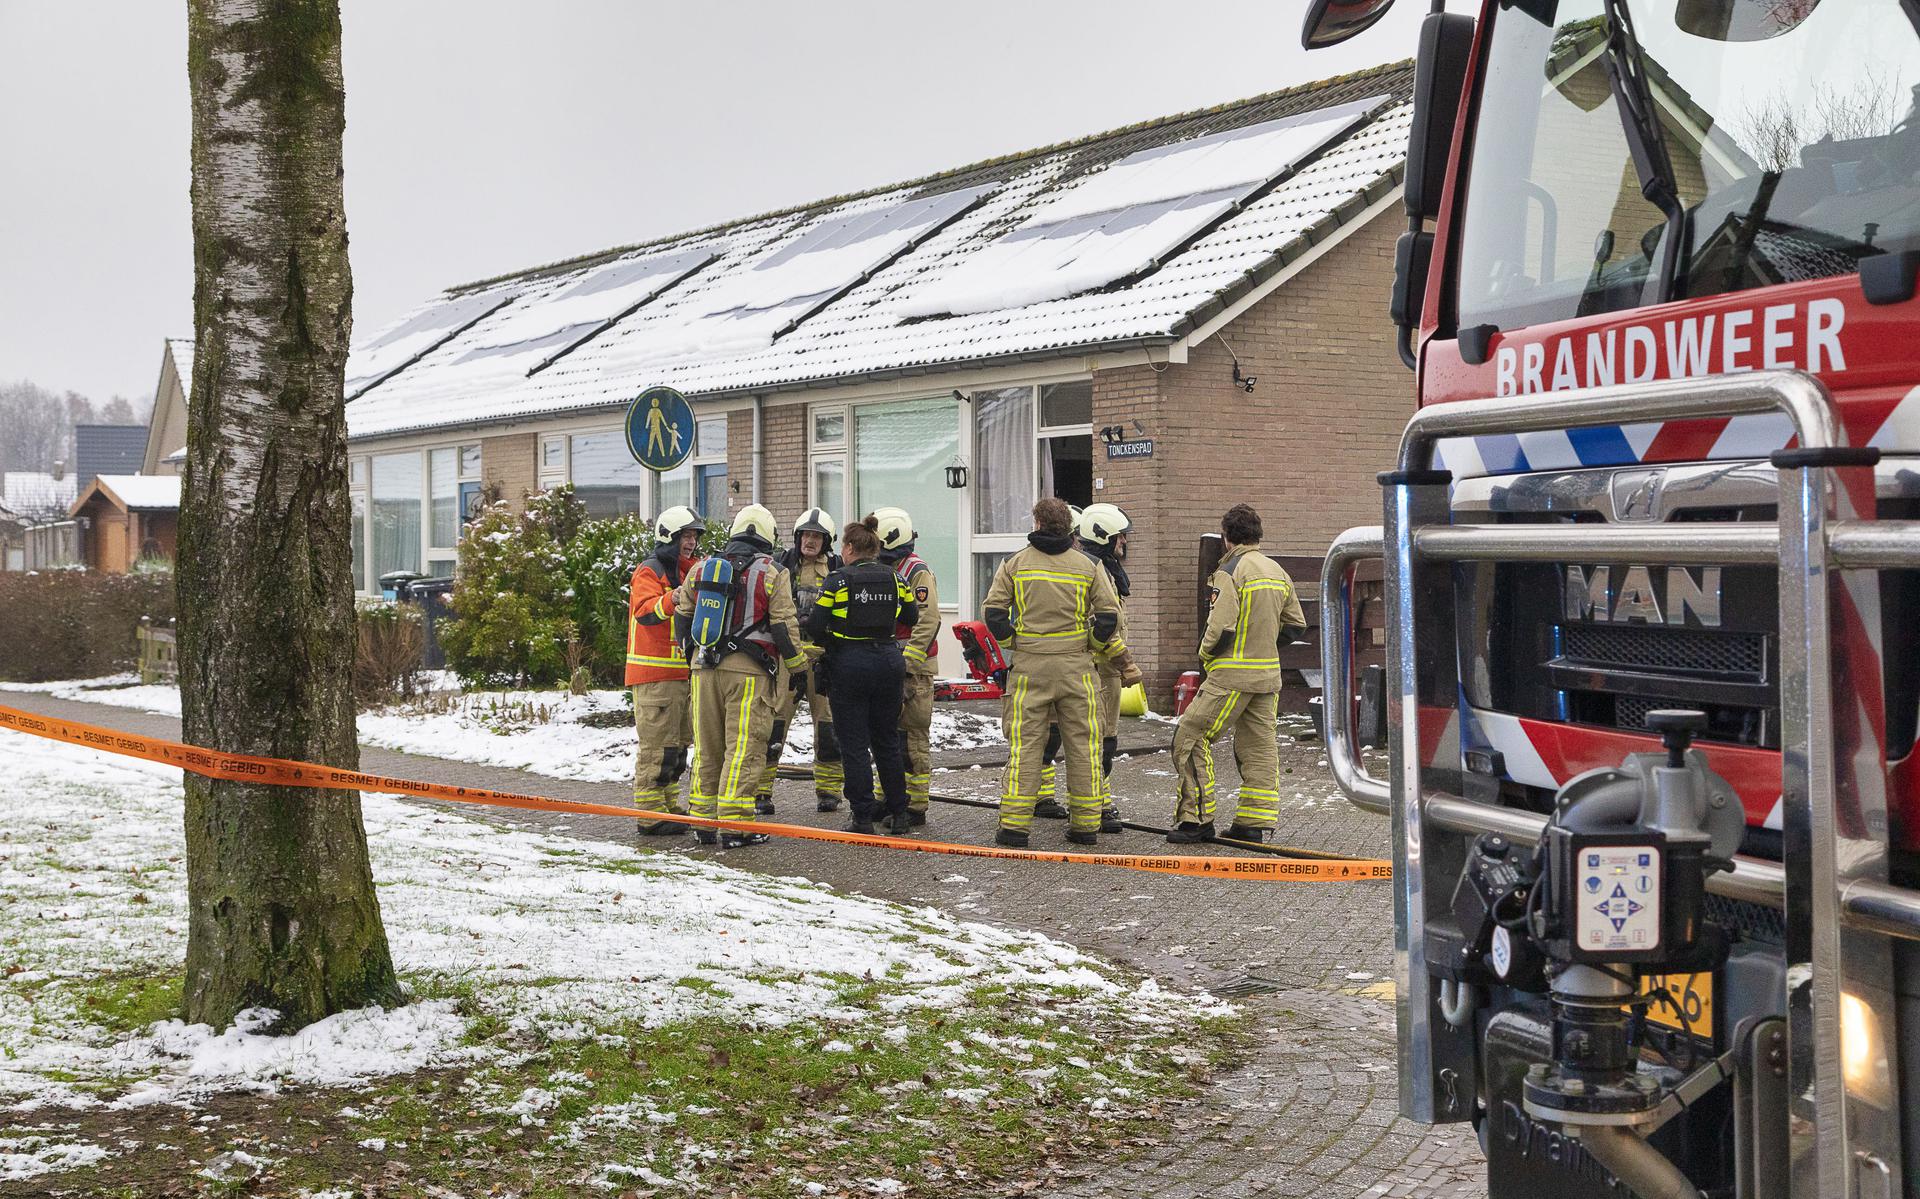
{"x":590,"y":1015}
{"x":588,"y":737}
{"x":120,"y":690}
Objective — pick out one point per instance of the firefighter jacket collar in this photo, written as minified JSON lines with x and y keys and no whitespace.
{"x":1103,"y":554}
{"x":745,"y":545}
{"x":897,"y":554}
{"x":1050,"y":543}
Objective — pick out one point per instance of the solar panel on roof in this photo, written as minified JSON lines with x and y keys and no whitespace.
{"x":541,"y":325}
{"x":416,"y":334}
{"x":1130,"y":217}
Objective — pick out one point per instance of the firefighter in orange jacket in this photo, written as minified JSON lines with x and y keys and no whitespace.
{"x":657,"y":670}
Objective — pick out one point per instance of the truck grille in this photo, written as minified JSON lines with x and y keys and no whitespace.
{"x":1662,"y":651}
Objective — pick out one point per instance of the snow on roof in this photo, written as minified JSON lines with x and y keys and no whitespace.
{"x":181,"y":348}
{"x":36,"y":494}
{"x":144,"y":493}
{"x":722,"y":328}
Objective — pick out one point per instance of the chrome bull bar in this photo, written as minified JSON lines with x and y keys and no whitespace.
{"x":1832,"y":884}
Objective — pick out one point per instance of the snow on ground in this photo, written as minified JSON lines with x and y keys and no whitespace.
{"x":120,"y":690}
{"x":565,"y":938}
{"x":588,"y":737}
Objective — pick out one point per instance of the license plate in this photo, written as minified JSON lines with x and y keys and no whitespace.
{"x":1691,"y":993}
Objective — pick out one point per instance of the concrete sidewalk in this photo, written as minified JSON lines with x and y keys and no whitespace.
{"x":1311,"y":1113}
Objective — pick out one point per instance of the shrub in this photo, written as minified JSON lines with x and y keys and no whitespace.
{"x":389,"y":652}
{"x":75,"y":624}
{"x":513,"y":618}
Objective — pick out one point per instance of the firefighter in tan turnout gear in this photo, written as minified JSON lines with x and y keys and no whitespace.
{"x":807,"y":562}
{"x":736,"y":677}
{"x":1054,"y":608}
{"x":1254,"y":612}
{"x":657,"y":670}
{"x":917,"y":645}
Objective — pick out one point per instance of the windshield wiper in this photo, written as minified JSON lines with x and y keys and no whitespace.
{"x":1633,"y":92}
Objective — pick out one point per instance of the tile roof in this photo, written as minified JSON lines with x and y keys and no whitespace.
{"x":859,"y":332}
{"x":36,"y":495}
{"x":107,"y":450}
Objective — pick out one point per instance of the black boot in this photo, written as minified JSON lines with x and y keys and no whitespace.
{"x":1110,"y":821}
{"x":1012,"y":838}
{"x":916,"y":816}
{"x":823,"y":802}
{"x":661,"y":828}
{"x":900,"y":824}
{"x":1050,"y":809}
{"x":1189,"y":832}
{"x":763,"y":805}
{"x":706,"y":836}
{"x":1083,"y":836}
{"x":742,"y":840}
{"x":1259,"y":836}
{"x":860,"y":824}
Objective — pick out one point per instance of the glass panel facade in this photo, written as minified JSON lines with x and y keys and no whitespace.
{"x":830,"y":485}
{"x":1003,"y":460}
{"x":396,"y":512}
{"x":900,"y":453}
{"x":830,"y":427}
{"x":446,"y":498}
{"x":605,"y":476}
{"x":1066,"y":404}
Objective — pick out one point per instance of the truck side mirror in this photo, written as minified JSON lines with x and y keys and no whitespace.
{"x":1439,"y":79}
{"x":1330,"y":22}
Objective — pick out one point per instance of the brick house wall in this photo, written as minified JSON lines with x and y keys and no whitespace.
{"x":1302,"y":448}
{"x":510,"y":467}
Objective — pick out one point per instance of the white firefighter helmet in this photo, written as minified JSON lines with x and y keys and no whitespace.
{"x":815,"y":520}
{"x":756,"y":520}
{"x":895,"y":528}
{"x":1099,"y":524}
{"x":675,"y":521}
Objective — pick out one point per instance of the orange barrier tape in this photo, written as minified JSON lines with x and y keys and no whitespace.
{"x":279,"y":771}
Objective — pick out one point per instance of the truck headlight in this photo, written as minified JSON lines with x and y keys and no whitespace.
{"x":1863,"y":1051}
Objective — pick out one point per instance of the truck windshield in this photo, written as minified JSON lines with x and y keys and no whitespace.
{"x":1791,"y":125}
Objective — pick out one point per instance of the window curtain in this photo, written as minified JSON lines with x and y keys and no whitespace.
{"x":1003,"y":460}
{"x":396,"y":512}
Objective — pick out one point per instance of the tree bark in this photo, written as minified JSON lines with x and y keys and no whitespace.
{"x":282,"y":911}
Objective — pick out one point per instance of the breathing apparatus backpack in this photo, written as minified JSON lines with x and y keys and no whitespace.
{"x":729,"y":611}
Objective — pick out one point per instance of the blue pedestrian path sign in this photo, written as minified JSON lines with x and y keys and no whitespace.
{"x":660,"y":429}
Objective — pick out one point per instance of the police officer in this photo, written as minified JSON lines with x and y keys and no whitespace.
{"x":1254,"y":612}
{"x":657,"y":670}
{"x":807,"y":563}
{"x":917,"y":645}
{"x":735,"y":681}
{"x":1054,"y":608}
{"x":856,"y":617}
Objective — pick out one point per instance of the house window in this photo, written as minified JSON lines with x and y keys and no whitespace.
{"x":900,"y":456}
{"x":605,"y":475}
{"x":359,"y":500}
{"x":1003,"y":464}
{"x":469,"y":461}
{"x":443,"y":531}
{"x":830,"y":485}
{"x":700,"y":482}
{"x":398,"y":486}
{"x":356,"y":472}
{"x":827,"y":447}
{"x":1066,"y":442}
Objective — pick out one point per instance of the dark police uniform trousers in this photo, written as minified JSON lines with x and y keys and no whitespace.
{"x":855,"y":616}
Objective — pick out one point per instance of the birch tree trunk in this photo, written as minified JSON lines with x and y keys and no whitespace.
{"x":282,"y":906}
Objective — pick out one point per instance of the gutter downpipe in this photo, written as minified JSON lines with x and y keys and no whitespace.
{"x":759,"y":442}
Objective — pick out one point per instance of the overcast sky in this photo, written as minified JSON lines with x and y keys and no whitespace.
{"x":488,"y":135}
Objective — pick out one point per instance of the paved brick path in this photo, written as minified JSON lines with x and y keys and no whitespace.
{"x":1313,"y":1110}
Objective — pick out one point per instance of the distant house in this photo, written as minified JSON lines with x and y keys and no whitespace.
{"x":166,"y":444}
{"x":107,"y":450}
{"x":127,"y":519}
{"x":37,"y":532}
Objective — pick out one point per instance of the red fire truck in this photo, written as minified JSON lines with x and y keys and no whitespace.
{"x":1652,"y":554}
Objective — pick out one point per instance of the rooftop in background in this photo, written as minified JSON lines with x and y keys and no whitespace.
{"x":136,"y":493}
{"x":107,"y":450}
{"x":36,"y":495}
{"x":1129,"y":238}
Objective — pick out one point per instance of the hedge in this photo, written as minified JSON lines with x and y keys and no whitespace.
{"x":76,"y":624}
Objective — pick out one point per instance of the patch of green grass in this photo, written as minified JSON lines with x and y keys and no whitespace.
{"x":127,"y":1003}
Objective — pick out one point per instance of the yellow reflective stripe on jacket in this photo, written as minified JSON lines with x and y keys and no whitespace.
{"x":912,"y":654}
{"x":677,"y":660}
